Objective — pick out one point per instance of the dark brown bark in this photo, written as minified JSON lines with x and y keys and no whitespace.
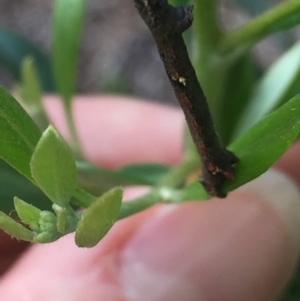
{"x":167,"y":23}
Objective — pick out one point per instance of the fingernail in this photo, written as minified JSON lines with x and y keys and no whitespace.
{"x":240,"y":248}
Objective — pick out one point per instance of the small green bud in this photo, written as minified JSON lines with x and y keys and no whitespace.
{"x":45,"y":237}
{"x":47,"y":221}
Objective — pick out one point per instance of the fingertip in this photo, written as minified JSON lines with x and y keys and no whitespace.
{"x":241,"y":248}
{"x":61,"y":270}
{"x":118,"y":130}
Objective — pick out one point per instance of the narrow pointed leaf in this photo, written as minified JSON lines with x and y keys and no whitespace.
{"x":99,"y":179}
{"x":291,"y":17}
{"x":237,"y":89}
{"x":276,"y":86}
{"x":53,"y":167}
{"x":28,"y":214}
{"x":11,"y":227}
{"x":144,"y":173}
{"x":29,"y":89}
{"x":265,"y":142}
{"x":18,"y":134}
{"x":258,"y":149}
{"x":30,"y":93}
{"x":97,"y":219}
{"x":281,"y":17}
{"x":67,"y":28}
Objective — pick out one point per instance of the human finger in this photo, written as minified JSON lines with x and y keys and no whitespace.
{"x":118,"y":130}
{"x":114,"y":131}
{"x":241,"y":248}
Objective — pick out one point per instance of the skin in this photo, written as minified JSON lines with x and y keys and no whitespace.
{"x":233,"y":249}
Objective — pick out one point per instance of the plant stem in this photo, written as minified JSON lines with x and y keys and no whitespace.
{"x":283,"y":16}
{"x":177,"y":176}
{"x":75,"y":143}
{"x":167,"y":24}
{"x":166,"y":195}
{"x":83,"y":198}
{"x":155,"y":196}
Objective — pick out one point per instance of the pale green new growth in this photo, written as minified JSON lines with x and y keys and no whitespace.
{"x":53,"y":167}
{"x":11,"y":227}
{"x":28,"y":214}
{"x":98,"y":218}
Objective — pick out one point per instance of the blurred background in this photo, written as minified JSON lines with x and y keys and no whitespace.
{"x":117,"y":53}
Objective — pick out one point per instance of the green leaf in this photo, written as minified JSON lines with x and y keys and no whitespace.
{"x":258,"y":149}
{"x":29,"y":215}
{"x":283,"y":40}
{"x":265,"y":142}
{"x":11,"y":227}
{"x":97,"y":179}
{"x":144,"y":173}
{"x":30,"y":93}
{"x":281,"y":17}
{"x":291,"y":20}
{"x":97,"y":219}
{"x":67,"y":28}
{"x":276,"y":87}
{"x":14,"y":49}
{"x":53,"y":167}
{"x":235,"y":96}
{"x":30,"y":90}
{"x":18,"y":134}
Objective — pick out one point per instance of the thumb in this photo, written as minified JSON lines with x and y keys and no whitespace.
{"x":242,"y":248}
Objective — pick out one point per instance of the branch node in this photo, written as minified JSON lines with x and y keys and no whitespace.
{"x":166,"y":24}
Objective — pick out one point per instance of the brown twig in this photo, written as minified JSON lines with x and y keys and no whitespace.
{"x":167,"y":23}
